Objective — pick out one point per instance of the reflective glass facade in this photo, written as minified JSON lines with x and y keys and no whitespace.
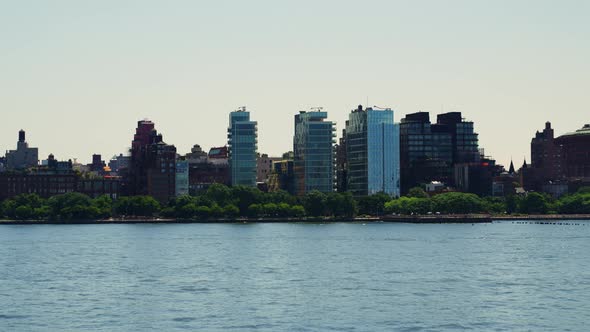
{"x":372,"y":141}
{"x":182,"y":177}
{"x":313,"y":146}
{"x":242,"y":143}
{"x":430,"y":151}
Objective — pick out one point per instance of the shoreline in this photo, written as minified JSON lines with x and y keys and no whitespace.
{"x":419,"y":219}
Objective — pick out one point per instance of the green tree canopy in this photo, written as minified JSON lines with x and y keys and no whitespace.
{"x":456,"y":202}
{"x":409,"y":205}
{"x":534,"y":203}
{"x":140,"y":206}
{"x":578,"y":203}
{"x":315,"y":203}
{"x":418,"y":193}
{"x":373,"y":204}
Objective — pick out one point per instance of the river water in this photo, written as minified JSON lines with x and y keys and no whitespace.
{"x":502,"y":276}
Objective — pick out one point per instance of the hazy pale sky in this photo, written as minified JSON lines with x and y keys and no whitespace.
{"x":77,"y":75}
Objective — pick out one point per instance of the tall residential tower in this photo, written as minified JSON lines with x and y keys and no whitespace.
{"x":152,"y":169}
{"x":242,"y":143}
{"x":372,"y":143}
{"x":24,"y":156}
{"x":313,"y":146}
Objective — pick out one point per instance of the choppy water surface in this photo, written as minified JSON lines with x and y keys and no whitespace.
{"x":295,"y":277}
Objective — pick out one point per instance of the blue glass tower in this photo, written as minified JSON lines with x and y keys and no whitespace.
{"x":372,"y":144}
{"x":242,"y":143}
{"x":313,"y":147}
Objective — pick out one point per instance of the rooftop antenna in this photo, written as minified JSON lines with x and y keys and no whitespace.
{"x":317,"y":109}
{"x":242,"y":109}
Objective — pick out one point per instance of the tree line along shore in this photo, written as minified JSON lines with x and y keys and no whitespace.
{"x":222,"y":202}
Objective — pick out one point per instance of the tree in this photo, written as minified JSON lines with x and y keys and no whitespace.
{"x":297,"y":211}
{"x":280,"y":196}
{"x":417,"y":192}
{"x":72,"y":206}
{"x":42,"y":212}
{"x":254,"y":210}
{"x":374,"y":204}
{"x":23,"y":212}
{"x":458,"y":203}
{"x":578,"y":203}
{"x":495,"y":204}
{"x":143,"y":206}
{"x":79,"y":212}
{"x":186,"y":211}
{"x":512,"y":203}
{"x":203,"y":212}
{"x":534,"y":203}
{"x":245,"y":196}
{"x":270,"y":209}
{"x":409,"y":205}
{"x":282,"y":210}
{"x":8,"y":208}
{"x":216,"y":211}
{"x":315,"y":203}
{"x":231,"y":211}
{"x":104,"y":205}
{"x":31,"y":200}
{"x":349,"y":207}
{"x":220,"y":194}
{"x":184,"y":206}
{"x":341,"y":204}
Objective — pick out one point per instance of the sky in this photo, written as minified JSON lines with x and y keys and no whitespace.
{"x":78,"y":75}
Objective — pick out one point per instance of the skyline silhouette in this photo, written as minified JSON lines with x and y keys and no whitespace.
{"x":77,"y":76}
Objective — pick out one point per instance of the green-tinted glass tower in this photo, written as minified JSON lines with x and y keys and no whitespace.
{"x":313,"y":147}
{"x":242,"y":143}
{"x":372,"y":143}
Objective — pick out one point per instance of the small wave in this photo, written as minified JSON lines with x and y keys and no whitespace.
{"x":14,"y":316}
{"x":192,"y":289}
{"x":184,"y":319}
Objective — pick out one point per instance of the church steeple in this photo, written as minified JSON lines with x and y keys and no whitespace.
{"x":524,"y":165}
{"x":511,"y":169}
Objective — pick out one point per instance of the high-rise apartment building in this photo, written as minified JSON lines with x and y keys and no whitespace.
{"x":546,"y":154}
{"x":426,"y":151}
{"x":547,"y":161}
{"x":464,"y":139}
{"x":372,"y":152}
{"x":153,"y":164}
{"x":341,"y":163}
{"x":429,"y":152}
{"x":182,"y":177}
{"x":242,"y":143}
{"x":24,"y":156}
{"x":313,"y":146}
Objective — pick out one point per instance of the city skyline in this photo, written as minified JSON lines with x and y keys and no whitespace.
{"x":77,"y":85}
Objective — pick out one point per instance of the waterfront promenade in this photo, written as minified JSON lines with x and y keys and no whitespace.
{"x":414,"y":219}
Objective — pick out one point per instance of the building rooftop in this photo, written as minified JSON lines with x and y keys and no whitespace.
{"x":580,"y":132}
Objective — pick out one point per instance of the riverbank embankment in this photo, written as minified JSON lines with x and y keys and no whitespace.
{"x":414,"y":219}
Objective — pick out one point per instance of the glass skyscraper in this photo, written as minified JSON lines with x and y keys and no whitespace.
{"x":313,"y":147}
{"x":372,"y":144}
{"x":430,"y":151}
{"x":242,"y":142}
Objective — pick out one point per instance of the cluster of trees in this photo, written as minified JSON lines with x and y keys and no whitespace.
{"x":223,"y":201}
{"x":419,"y":202}
{"x":220,"y":201}
{"x":73,"y":206}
